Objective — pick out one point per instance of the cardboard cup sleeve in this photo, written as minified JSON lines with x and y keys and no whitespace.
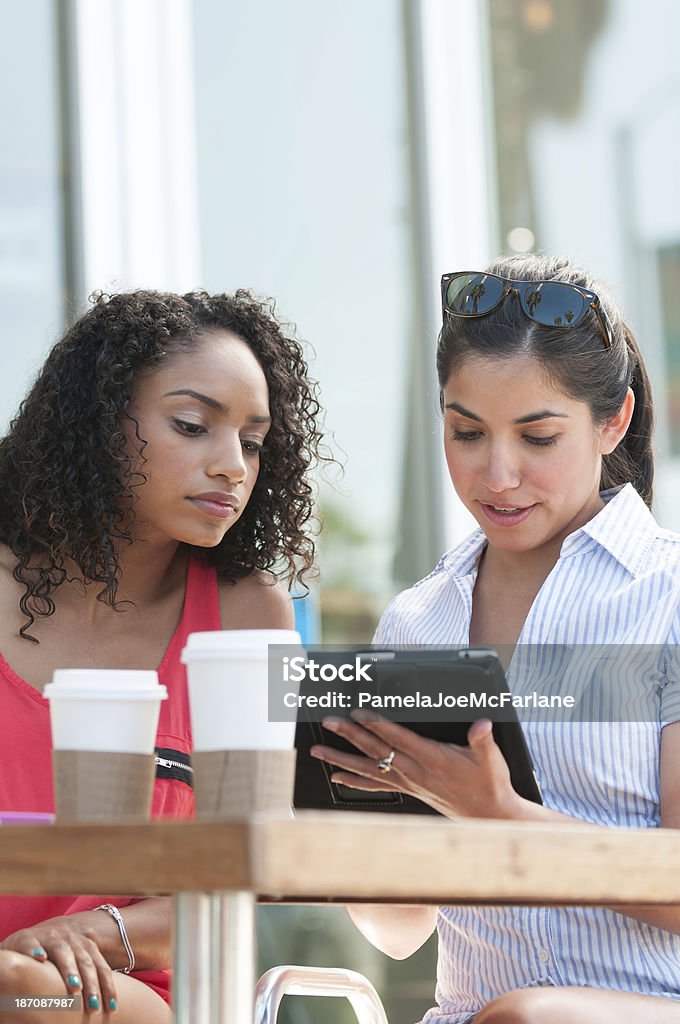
{"x":238,"y":783}
{"x":92,"y":785}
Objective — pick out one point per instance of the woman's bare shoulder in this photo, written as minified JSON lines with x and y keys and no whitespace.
{"x":258,"y":601}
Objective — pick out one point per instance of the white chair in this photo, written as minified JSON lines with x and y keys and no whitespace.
{"x":291,"y":980}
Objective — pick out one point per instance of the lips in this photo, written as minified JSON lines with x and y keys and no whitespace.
{"x":507,"y":515}
{"x":217,"y":504}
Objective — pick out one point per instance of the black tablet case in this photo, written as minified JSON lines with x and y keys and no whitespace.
{"x":455,"y":671}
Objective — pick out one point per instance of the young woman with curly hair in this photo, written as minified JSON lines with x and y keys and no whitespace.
{"x":152,"y":484}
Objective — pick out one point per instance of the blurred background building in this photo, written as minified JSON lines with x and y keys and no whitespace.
{"x":340,"y":155}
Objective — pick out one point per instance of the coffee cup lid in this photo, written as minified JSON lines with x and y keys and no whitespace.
{"x":53,"y":692}
{"x":105,"y":678}
{"x":240,"y":643}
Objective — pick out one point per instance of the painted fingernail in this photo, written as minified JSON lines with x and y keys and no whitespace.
{"x":93,"y":1002}
{"x":38,"y":952}
{"x":73,"y":981}
{"x":331,"y":723}
{"x":113,"y":1005}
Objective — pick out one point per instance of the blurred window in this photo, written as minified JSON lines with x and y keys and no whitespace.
{"x":303,"y":168}
{"x":586,"y":113}
{"x":31,"y":224}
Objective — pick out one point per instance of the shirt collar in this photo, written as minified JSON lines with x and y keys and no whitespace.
{"x":464,"y":558}
{"x":624,"y":527}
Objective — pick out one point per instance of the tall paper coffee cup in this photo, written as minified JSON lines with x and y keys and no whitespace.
{"x":104,"y":724}
{"x":242,"y":762}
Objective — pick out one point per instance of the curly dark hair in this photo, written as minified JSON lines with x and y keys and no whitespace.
{"x":68,"y":477}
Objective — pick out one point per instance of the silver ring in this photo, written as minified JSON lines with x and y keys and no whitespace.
{"x":384,"y":765}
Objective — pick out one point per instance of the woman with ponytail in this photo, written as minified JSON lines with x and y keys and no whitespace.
{"x":548,"y":438}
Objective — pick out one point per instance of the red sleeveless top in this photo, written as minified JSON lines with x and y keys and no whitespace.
{"x":26,"y":757}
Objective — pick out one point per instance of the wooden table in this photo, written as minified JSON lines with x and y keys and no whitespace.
{"x":216,"y":872}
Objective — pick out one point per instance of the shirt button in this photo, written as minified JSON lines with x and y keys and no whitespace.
{"x":543,"y":956}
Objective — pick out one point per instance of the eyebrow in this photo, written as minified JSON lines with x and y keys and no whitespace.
{"x":532,"y":417}
{"x":213,"y":403}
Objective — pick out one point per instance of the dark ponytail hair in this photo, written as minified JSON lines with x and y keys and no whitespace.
{"x":576,"y":361}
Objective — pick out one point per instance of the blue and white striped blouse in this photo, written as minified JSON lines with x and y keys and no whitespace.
{"x":617,"y":582}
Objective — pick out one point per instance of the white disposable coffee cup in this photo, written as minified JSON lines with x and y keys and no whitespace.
{"x":227,"y":672}
{"x":112,"y":710}
{"x":243,"y":763}
{"x":104,"y":724}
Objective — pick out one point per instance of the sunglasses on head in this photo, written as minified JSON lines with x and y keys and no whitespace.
{"x":550,"y":303}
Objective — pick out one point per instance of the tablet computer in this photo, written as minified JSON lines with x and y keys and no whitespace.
{"x":437,"y":693}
